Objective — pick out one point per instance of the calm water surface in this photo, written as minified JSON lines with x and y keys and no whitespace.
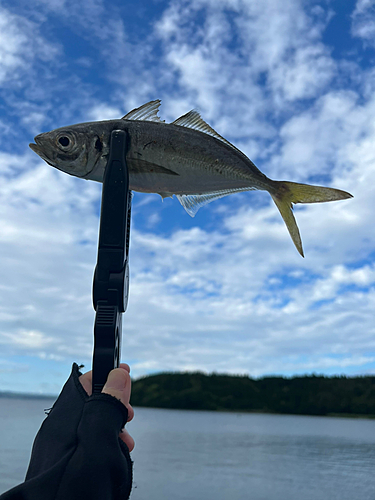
{"x":221,"y":456}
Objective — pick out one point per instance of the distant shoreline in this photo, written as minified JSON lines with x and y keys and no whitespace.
{"x":310,"y":395}
{"x":262,"y":412}
{"x":314,"y":395}
{"x":25,"y":395}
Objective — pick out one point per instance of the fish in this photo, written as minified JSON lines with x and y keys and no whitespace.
{"x":186,"y":158}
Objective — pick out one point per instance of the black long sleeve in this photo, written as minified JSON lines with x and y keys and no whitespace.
{"x":77,"y":453}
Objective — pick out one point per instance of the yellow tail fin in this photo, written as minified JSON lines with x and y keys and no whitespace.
{"x":290,"y":192}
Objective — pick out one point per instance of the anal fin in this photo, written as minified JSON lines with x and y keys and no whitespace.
{"x":193,"y":202}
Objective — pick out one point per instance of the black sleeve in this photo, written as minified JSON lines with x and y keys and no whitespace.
{"x":77,"y":453}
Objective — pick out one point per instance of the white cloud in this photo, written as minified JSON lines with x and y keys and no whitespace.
{"x":20,"y":45}
{"x":104,"y":112}
{"x":212,"y":290}
{"x":228,"y":295}
{"x":29,"y":339}
{"x":363,"y":21}
{"x":198,"y":299}
{"x":297,"y":78}
{"x":286,"y":46}
{"x":275,"y":41}
{"x":101,"y":26}
{"x":49,"y":228}
{"x":332,"y":137}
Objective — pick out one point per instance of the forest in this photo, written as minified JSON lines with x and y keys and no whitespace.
{"x":300,"y":395}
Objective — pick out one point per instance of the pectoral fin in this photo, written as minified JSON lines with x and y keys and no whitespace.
{"x":138,"y":166}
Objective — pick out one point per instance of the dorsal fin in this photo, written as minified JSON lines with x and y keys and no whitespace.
{"x":147,"y":112}
{"x":194,"y":120}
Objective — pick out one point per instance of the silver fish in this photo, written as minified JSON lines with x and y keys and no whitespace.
{"x":186,"y":158}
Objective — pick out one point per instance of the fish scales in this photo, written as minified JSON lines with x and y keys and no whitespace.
{"x":194,"y":162}
{"x":186,"y":158}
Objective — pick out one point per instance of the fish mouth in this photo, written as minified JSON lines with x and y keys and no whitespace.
{"x":35,"y":148}
{"x":39,"y":151}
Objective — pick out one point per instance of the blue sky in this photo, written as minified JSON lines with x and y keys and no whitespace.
{"x":292,"y":85}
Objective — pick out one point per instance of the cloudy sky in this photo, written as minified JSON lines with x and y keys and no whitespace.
{"x":292,"y":85}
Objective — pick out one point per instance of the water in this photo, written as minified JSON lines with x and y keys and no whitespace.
{"x":20,"y":420}
{"x":183,"y":455}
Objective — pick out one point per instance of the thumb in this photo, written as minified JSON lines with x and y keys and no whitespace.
{"x":118,"y":385}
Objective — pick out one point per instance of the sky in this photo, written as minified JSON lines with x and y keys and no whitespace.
{"x":291,"y":84}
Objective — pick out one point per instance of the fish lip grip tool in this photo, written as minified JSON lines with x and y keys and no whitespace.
{"x":111,"y":276}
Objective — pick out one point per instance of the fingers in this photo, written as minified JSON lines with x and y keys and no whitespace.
{"x":127,"y":439}
{"x":86,"y":378}
{"x":86,"y":381}
{"x":130,"y":412}
{"x":119,"y":385}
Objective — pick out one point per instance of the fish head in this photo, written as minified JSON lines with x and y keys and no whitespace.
{"x":75,"y":150}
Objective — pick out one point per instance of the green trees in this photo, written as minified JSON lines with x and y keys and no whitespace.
{"x":304,"y":395}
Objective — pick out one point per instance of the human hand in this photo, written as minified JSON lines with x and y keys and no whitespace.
{"x":118,"y":385}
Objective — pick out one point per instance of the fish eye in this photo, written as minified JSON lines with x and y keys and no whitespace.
{"x":64,"y":141}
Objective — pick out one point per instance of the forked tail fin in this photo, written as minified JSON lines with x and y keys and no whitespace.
{"x":290,"y":192}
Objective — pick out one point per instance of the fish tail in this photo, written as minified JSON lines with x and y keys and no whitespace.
{"x":287,"y":193}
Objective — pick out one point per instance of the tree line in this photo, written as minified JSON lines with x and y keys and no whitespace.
{"x":300,"y":395}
